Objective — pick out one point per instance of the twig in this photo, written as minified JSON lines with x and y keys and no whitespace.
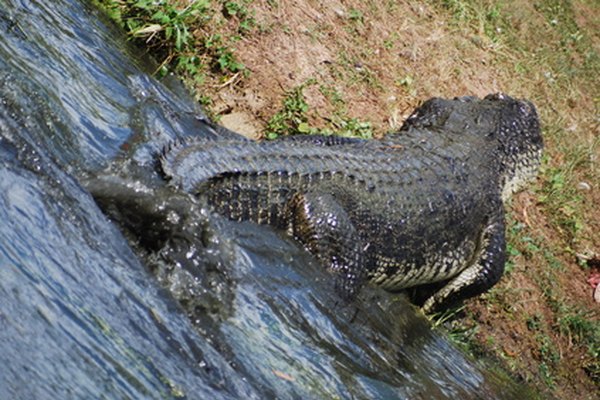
{"x":228,"y":82}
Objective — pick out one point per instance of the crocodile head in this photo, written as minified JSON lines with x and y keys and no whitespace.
{"x":509,"y":127}
{"x":520,"y":139}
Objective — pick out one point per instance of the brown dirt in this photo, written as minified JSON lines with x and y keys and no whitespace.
{"x":362,"y":60}
{"x":504,"y":324}
{"x":384,"y":58}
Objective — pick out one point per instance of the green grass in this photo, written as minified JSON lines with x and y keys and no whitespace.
{"x":293,"y":117}
{"x":560,"y":195}
{"x":483,"y":17}
{"x":179,"y":37}
{"x":567,"y":321}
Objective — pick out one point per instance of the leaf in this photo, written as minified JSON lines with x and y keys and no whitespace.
{"x":148,"y":30}
{"x":283,"y":375}
{"x":303,"y":127}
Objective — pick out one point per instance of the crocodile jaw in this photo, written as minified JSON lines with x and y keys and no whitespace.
{"x":525,"y":170}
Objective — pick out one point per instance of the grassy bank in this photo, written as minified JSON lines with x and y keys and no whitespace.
{"x":272,"y":67}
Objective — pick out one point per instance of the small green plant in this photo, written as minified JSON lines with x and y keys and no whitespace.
{"x":164,"y":27}
{"x":546,"y":374}
{"x":171,"y":29}
{"x":580,"y":328}
{"x":232,"y":8}
{"x":459,"y":333}
{"x":406,"y":81}
{"x":160,"y":23}
{"x":335,"y":97}
{"x":292,"y":118}
{"x":561,"y":199}
{"x":355,"y":15}
{"x":549,"y":358}
{"x":223,"y":59}
{"x":531,"y":245}
{"x":492,"y":23}
{"x":352,"y":69}
{"x":444,"y":317}
{"x":391,"y":41}
{"x":513,"y":245}
{"x":534,"y":322}
{"x":352,"y":127}
{"x":239,"y":10}
{"x":583,"y":330}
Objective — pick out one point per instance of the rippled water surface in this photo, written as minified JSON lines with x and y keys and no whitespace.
{"x":152,"y":297}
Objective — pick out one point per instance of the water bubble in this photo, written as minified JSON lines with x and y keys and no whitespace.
{"x":173,"y":217}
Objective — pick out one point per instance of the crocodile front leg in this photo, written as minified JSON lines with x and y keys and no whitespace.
{"x":320,"y":223}
{"x":484,"y":271}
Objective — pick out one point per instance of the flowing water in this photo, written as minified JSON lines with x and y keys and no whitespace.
{"x":161,"y":299}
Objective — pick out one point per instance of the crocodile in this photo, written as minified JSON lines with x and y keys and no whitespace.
{"x":422,"y":206}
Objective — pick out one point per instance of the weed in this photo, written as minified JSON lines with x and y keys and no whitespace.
{"x":239,"y":10}
{"x":406,"y":81}
{"x":352,"y":127}
{"x":159,"y":23}
{"x":292,"y":118}
{"x":223,"y":59}
{"x":561,"y":199}
{"x":458,"y":333}
{"x":547,"y":349}
{"x":493,"y":17}
{"x":580,"y":328}
{"x":546,"y":375}
{"x":355,"y":15}
{"x":553,"y":262}
{"x":390,"y":42}
{"x":513,"y":245}
{"x":510,"y":264}
{"x":174,"y":32}
{"x":363,"y":74}
{"x":340,"y":123}
{"x":443,"y":317}
{"x":486,"y":19}
{"x":189,"y":65}
{"x":354,"y":71}
{"x":534,"y":322}
{"x":335,"y":97}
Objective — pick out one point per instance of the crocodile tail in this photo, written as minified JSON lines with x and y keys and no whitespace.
{"x":164,"y":166}
{"x":190,"y":162}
